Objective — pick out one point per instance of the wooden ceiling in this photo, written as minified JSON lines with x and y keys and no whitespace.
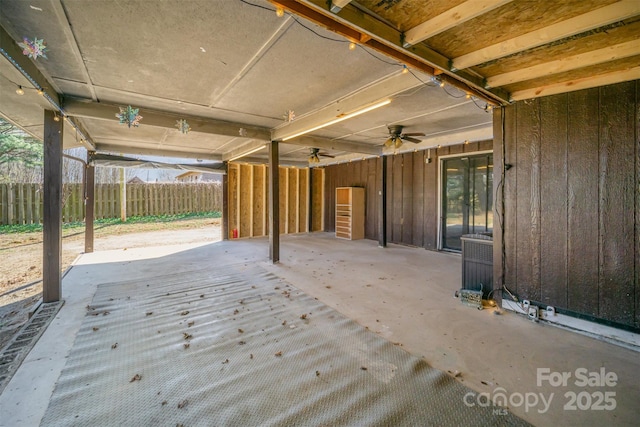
{"x":502,"y":50}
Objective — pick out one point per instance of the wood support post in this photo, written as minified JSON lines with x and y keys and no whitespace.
{"x":225,"y":203}
{"x":251,"y":200}
{"x":89,"y":200}
{"x":123,"y":195}
{"x":52,"y":209}
{"x":265,"y":202}
{"x":274,"y":203}
{"x":309,"y":200}
{"x":382,"y":220}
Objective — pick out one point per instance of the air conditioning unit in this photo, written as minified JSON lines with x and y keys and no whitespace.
{"x":477,"y":263}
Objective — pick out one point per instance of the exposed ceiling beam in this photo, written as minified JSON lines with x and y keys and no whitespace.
{"x":475,"y":133}
{"x":282,"y":161}
{"x":351,"y":23}
{"x":142,"y":151}
{"x":587,"y":21}
{"x":13,"y":53}
{"x":598,"y":56}
{"x":382,"y":89}
{"x":109,"y":160}
{"x":578,"y":84}
{"x":449,"y":19}
{"x":96,"y":110}
{"x":331,"y":144}
{"x":243,"y":150}
{"x":337,"y":5}
{"x":88,"y":145}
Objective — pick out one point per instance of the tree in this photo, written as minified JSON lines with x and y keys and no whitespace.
{"x":20,"y":150}
{"x":16,"y":146}
{"x":73,"y":170}
{"x":21,"y":155}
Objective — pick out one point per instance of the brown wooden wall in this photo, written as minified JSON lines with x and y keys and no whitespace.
{"x":572,"y":201}
{"x":249,"y":195}
{"x":412,"y":193}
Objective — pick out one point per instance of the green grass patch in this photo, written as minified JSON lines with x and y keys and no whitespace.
{"x":34,"y":228}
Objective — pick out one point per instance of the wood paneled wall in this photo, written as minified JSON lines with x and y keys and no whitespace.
{"x":412,"y":193}
{"x":365,"y":173}
{"x":248,"y":196}
{"x":572,"y":201}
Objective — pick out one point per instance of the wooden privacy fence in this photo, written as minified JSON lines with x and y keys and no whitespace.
{"x":22,"y":203}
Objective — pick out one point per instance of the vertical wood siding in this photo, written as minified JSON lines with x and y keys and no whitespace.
{"x":412,"y":193}
{"x":572,"y":209}
{"x":582,"y":202}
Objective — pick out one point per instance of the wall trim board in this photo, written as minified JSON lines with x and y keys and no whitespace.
{"x":611,"y":334}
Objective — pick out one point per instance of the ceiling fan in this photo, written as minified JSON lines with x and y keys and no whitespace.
{"x":315,"y":153}
{"x":396,"y":137}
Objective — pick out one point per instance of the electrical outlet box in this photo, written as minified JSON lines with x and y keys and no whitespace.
{"x":549,"y":313}
{"x":532,"y":312}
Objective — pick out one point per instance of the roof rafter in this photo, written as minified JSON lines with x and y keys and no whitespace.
{"x":578,"y":84}
{"x":587,"y":21}
{"x":451,"y":18}
{"x":337,"y":5}
{"x":594,"y":57}
{"x":351,"y":23}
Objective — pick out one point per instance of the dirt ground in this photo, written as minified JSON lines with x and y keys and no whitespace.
{"x":21,"y":254}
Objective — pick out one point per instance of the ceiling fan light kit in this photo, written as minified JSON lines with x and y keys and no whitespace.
{"x":396,"y":137}
{"x":314,"y":155}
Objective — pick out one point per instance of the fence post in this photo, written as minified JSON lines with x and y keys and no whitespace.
{"x":22,"y":203}
{"x":10,"y":204}
{"x":3,"y":203}
{"x":123,"y":196}
{"x":90,"y":203}
{"x":38,"y":204}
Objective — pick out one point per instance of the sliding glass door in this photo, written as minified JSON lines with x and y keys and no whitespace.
{"x":467,"y":198}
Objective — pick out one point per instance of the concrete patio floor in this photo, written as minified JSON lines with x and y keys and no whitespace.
{"x":403,"y":294}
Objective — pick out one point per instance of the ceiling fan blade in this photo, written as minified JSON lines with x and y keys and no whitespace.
{"x":326,"y":155}
{"x":414,"y":140}
{"x":413,"y":134}
{"x":389,"y":142}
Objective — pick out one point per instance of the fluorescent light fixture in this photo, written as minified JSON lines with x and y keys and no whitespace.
{"x":246,"y":154}
{"x":340,"y":118}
